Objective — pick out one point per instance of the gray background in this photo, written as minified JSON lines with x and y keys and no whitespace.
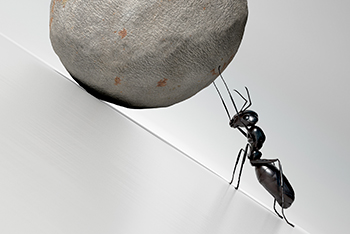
{"x":294,"y":59}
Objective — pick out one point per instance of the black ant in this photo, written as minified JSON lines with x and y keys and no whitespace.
{"x":269,"y":176}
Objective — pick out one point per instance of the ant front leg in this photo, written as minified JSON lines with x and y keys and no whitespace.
{"x":234,"y":169}
{"x":237,"y":160}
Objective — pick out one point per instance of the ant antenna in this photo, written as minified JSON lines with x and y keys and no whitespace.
{"x":250,"y":101}
{"x":229,"y":117}
{"x":233,"y":102}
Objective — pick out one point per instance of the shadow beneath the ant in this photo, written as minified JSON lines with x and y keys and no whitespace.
{"x":233,"y":211}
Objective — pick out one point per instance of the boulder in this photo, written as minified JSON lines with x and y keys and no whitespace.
{"x":146,"y":53}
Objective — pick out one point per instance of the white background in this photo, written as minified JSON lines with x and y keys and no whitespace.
{"x":294,"y":59}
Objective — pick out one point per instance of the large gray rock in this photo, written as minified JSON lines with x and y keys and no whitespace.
{"x":146,"y":53}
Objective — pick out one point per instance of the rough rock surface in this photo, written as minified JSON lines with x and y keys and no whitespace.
{"x":146,"y":53}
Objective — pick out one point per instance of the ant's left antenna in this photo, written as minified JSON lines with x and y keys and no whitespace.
{"x":223,"y":102}
{"x":233,"y":102}
{"x":229,"y":117}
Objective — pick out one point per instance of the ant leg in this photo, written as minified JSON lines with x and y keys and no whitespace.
{"x":237,"y":160}
{"x":282,"y":191}
{"x":286,"y":218}
{"x":274,"y":207}
{"x":240,"y":170}
{"x":282,"y":188}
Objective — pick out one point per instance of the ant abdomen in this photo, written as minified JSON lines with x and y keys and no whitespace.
{"x":269,"y":177}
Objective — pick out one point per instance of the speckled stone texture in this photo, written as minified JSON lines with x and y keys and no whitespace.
{"x":146,"y":53}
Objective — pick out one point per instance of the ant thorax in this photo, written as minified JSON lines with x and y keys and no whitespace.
{"x":256,"y":137}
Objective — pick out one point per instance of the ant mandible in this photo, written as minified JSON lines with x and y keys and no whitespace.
{"x":269,"y":176}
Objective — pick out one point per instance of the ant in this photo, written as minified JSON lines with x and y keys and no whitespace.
{"x":269,"y":176}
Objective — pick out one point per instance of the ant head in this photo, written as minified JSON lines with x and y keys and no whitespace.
{"x":244,"y":118}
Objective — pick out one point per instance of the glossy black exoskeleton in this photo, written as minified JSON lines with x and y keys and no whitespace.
{"x":269,"y":176}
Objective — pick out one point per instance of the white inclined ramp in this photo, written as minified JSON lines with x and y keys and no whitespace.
{"x":69,"y":163}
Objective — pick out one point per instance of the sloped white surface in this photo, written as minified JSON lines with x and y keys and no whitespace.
{"x":71,"y":164}
{"x":294,"y":59}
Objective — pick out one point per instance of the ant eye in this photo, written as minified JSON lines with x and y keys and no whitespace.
{"x":246,"y":117}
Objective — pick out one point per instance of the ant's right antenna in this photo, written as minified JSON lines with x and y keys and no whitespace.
{"x":233,"y":102}
{"x":250,"y":101}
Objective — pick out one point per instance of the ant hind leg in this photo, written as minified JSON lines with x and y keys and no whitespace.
{"x":286,"y":218}
{"x":282,"y":191}
{"x":274,"y":207}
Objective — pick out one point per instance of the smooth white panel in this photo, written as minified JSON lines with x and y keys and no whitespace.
{"x":71,"y":164}
{"x":294,"y":59}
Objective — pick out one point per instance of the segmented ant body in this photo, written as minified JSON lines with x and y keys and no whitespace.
{"x":269,"y":176}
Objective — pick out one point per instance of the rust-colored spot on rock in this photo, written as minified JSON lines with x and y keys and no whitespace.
{"x":51,"y":13}
{"x":51,"y":18}
{"x":213,"y":72}
{"x":123,"y":33}
{"x":53,"y":8}
{"x":117,"y":80}
{"x":162,"y":83}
